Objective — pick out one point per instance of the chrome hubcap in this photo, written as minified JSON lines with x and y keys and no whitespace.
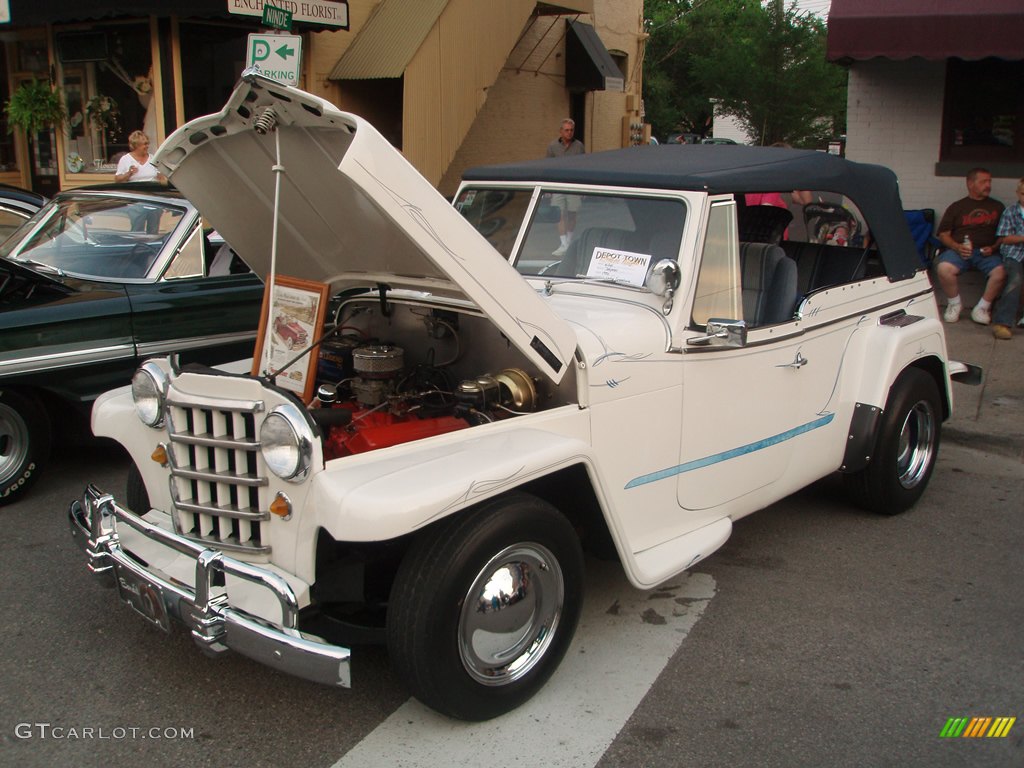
{"x":13,"y":442}
{"x":511,"y":614}
{"x":917,"y":445}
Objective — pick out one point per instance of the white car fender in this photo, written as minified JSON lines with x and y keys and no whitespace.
{"x":383,"y":499}
{"x":893,"y":348}
{"x":114,"y":416}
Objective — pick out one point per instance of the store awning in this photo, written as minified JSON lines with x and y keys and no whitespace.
{"x":389,"y":39}
{"x":930,"y":29}
{"x":588,"y":65}
{"x":30,"y":13}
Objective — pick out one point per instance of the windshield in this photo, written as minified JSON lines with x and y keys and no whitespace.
{"x":97,"y":236}
{"x":609,"y":237}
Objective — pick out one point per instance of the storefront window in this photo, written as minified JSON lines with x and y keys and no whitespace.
{"x":984,"y":112}
{"x":107,"y":80}
{"x":211,"y":70}
{"x":8,"y":157}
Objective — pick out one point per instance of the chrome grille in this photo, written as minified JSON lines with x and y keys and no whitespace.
{"x":218,"y":494}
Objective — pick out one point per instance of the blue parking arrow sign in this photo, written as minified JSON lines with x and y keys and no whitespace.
{"x":278,"y":57}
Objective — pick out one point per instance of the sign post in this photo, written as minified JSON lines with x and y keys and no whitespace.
{"x":278,"y":57}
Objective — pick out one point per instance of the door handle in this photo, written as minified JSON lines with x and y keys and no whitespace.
{"x":798,"y":362}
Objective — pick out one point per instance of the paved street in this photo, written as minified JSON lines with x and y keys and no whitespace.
{"x":817,"y":635}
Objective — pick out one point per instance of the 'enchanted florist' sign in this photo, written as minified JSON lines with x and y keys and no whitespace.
{"x":330,"y":13}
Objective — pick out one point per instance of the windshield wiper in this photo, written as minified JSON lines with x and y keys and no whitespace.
{"x":39,"y":266}
{"x":610,"y":281}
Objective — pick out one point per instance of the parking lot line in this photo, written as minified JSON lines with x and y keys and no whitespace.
{"x":624,"y":640}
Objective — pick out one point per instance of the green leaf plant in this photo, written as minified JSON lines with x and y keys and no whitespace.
{"x":35,"y":106}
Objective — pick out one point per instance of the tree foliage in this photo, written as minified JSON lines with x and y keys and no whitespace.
{"x":763,"y":63}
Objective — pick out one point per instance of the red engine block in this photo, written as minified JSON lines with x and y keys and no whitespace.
{"x":380,"y":429}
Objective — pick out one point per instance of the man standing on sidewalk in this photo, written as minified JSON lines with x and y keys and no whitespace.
{"x":1011,"y":239}
{"x":563,"y":146}
{"x":968,"y":230}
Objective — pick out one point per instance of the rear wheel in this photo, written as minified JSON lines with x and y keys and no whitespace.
{"x":24,"y":443}
{"x":906,"y":448}
{"x":485,"y":605}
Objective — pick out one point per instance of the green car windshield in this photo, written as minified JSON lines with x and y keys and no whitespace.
{"x":106,"y":237}
{"x":614,"y":237}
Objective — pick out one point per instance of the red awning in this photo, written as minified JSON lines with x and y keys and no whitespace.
{"x":931,"y":29}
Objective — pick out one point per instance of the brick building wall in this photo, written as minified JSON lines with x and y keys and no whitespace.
{"x":894,"y":118}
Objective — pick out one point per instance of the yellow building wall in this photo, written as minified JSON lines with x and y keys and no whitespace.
{"x":446,"y":82}
{"x":528,"y":101}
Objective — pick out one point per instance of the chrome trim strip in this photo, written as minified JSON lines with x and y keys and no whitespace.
{"x":238,"y":514}
{"x":806,"y":325}
{"x":151,"y":348}
{"x":191,"y":473}
{"x":67,"y":359}
{"x":214,"y":442}
{"x":216,"y":403}
{"x":216,"y":625}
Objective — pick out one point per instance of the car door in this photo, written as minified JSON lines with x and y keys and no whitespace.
{"x":742,"y":410}
{"x":207,"y":319}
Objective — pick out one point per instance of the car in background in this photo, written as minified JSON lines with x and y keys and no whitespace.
{"x":716,"y":140}
{"x":97,"y":280}
{"x":683,"y":138}
{"x":16,"y":207}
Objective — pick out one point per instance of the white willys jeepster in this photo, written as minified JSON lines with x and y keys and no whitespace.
{"x":479,"y":406}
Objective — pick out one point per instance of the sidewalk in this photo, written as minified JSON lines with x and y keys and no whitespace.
{"x":988,"y":417}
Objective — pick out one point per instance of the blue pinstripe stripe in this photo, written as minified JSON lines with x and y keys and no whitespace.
{"x":732,"y":453}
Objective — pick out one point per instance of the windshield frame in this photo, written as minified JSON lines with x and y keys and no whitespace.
{"x":23,"y":246}
{"x":539,"y":206}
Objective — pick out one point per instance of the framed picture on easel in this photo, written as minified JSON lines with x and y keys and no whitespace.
{"x":291,"y":319}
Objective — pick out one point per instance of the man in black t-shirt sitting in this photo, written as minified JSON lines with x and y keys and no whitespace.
{"x":968,"y":230}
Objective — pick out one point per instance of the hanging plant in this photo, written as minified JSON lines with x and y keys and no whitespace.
{"x":103,"y":113}
{"x":35,"y":106}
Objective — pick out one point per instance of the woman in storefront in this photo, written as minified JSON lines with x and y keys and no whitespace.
{"x":137,"y":164}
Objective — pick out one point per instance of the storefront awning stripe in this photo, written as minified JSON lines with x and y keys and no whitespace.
{"x":930,"y":29}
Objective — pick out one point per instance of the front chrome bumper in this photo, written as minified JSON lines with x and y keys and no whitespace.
{"x":216,"y":626}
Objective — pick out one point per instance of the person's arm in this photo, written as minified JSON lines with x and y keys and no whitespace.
{"x":946,"y":238}
{"x":125,"y":169}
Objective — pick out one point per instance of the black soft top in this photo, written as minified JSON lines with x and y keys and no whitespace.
{"x":737,"y":169}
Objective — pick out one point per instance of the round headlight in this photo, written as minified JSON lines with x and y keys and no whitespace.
{"x":149,"y":386}
{"x":286,"y":442}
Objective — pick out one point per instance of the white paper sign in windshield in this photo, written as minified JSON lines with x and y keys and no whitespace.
{"x":625,"y":267}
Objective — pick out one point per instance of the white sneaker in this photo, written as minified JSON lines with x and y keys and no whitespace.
{"x":981,"y":316}
{"x":1020,"y":323}
{"x":952,"y":313}
{"x":560,"y":250}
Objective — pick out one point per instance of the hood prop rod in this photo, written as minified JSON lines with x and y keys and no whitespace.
{"x":266,"y":122}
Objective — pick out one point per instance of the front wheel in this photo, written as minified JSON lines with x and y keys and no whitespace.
{"x":906,"y":448}
{"x":485,"y":605}
{"x":24,"y":443}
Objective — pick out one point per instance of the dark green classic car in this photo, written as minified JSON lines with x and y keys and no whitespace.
{"x":95,"y":281}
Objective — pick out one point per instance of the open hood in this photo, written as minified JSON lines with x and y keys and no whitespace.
{"x":352,"y":210}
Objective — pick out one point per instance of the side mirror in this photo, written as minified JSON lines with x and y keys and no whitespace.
{"x":722,"y":333}
{"x":664,"y":281}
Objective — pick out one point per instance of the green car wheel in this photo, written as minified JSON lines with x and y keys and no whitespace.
{"x":24,"y":443}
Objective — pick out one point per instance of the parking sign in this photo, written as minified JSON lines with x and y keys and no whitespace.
{"x":278,"y":57}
